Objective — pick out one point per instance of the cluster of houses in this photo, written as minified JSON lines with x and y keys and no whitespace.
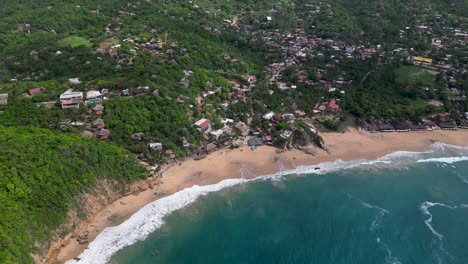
{"x":275,"y":118}
{"x":295,"y":48}
{"x":72,"y":99}
{"x":97,"y":128}
{"x":154,"y":46}
{"x":443,"y":122}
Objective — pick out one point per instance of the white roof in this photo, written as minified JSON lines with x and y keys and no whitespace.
{"x":268,"y":115}
{"x":227,"y":120}
{"x":217,"y":133}
{"x":69,"y":94}
{"x":74,"y":81}
{"x":92,"y":94}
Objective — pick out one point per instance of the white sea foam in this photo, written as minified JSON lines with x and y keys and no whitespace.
{"x":447,"y":160}
{"x":376,"y":223}
{"x":398,"y":159}
{"x":389,"y":259}
{"x":144,"y":222}
{"x":151,"y":217}
{"x":424,"y":207}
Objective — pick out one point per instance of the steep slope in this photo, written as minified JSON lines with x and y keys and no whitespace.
{"x":40,"y":175}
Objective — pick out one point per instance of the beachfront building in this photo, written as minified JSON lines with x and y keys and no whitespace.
{"x":211,"y":147}
{"x":255,"y":141}
{"x":71,"y":99}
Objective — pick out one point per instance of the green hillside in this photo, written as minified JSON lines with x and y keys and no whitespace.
{"x":40,"y":174}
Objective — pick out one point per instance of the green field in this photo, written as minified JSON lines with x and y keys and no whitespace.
{"x":75,"y":42}
{"x":414,"y":75}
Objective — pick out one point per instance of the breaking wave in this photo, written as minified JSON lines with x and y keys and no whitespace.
{"x":448,"y":160}
{"x":144,"y":222}
{"x":151,"y":217}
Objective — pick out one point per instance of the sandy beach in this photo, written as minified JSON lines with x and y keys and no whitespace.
{"x":245,"y":163}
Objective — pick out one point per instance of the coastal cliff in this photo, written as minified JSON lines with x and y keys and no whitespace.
{"x":43,"y":176}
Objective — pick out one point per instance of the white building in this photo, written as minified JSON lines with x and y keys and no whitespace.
{"x":74,"y":81}
{"x":4,"y":99}
{"x":203,"y":124}
{"x":268,"y":115}
{"x":217,"y":133}
{"x":156,"y":146}
{"x":93,"y":94}
{"x":71,"y":99}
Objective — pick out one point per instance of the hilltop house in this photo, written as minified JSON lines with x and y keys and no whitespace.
{"x":156,"y":146}
{"x":103,"y":134}
{"x":184,"y":82}
{"x":92,"y":94}
{"x":71,"y":99}
{"x":268,"y":115}
{"x":74,"y":81}
{"x":98,"y":123}
{"x":98,"y":108}
{"x":3,"y":99}
{"x":34,"y":91}
{"x":332,"y":106}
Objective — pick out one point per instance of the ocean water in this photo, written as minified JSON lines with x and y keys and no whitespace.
{"x":406,"y":207}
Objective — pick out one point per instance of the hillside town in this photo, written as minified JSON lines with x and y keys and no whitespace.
{"x":287,"y":74}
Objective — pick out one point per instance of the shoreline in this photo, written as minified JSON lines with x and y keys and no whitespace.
{"x":244,"y":163}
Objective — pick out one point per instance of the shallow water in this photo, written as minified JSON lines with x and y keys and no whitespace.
{"x":406,"y":207}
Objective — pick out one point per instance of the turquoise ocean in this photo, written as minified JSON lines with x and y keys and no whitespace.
{"x":406,"y":207}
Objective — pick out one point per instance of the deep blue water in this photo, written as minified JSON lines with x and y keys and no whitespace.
{"x":401,"y":212}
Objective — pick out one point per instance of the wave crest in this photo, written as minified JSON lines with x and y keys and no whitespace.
{"x":144,"y":222}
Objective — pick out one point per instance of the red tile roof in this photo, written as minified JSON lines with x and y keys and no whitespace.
{"x":204,"y":123}
{"x":333,"y":105}
{"x":34,"y":91}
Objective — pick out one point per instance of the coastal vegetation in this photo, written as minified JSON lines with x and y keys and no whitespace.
{"x":41,"y":174}
{"x":276,"y":72}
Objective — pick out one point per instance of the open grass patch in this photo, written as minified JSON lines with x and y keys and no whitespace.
{"x":413,"y":75}
{"x":75,"y":42}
